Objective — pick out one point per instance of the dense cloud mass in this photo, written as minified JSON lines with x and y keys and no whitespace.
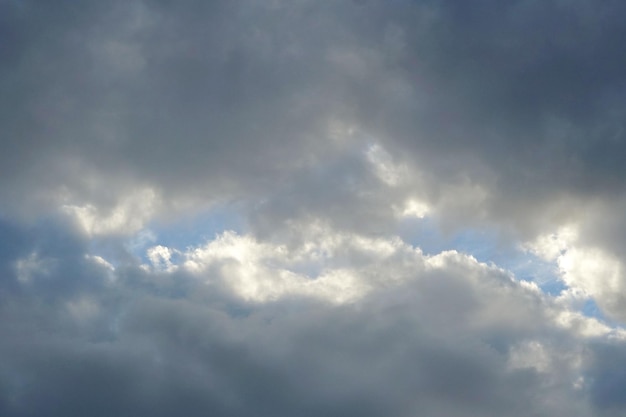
{"x":295,"y":208}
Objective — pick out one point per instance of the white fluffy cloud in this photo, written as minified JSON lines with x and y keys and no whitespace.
{"x":593,"y":271}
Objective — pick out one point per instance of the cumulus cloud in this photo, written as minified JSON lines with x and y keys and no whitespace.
{"x":432,"y":335}
{"x":592,"y":270}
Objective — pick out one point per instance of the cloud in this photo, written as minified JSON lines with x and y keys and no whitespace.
{"x":594,"y":271}
{"x":431,"y":335}
{"x":326,"y":129}
{"x":129,"y":216}
{"x":144,"y":96}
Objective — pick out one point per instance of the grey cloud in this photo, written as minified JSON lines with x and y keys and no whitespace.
{"x":217,"y":101}
{"x":217,"y":95}
{"x":527,"y":89}
{"x":606,"y":376}
{"x":156,"y":343}
{"x":211,"y":101}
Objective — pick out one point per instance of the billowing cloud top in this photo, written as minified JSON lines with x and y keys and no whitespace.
{"x":290,"y":208}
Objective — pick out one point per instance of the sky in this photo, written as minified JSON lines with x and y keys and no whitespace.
{"x":303,"y":208}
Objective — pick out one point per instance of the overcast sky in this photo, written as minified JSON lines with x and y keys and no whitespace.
{"x":313,"y":208}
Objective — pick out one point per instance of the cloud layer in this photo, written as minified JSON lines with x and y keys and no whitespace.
{"x":343,"y":138}
{"x":242,"y":328}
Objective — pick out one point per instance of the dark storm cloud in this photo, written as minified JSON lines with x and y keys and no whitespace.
{"x":531,"y":91}
{"x":213,"y":101}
